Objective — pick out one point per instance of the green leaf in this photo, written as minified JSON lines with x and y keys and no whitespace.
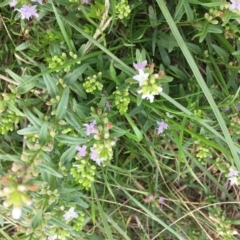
{"x":113,"y":74}
{"x":164,"y":55}
{"x":14,"y":76}
{"x":56,"y":222}
{"x":166,"y":79}
{"x":51,"y":83}
{"x":152,"y":17}
{"x":14,"y":109}
{"x":23,"y":46}
{"x":28,"y":130}
{"x":37,"y":219}
{"x":47,"y":169}
{"x":36,"y":122}
{"x":43,"y":134}
{"x":27,"y":85}
{"x":63,"y":104}
{"x":68,"y":155}
{"x":137,"y":132}
{"x":221,"y":53}
{"x":189,"y":11}
{"x":73,"y":76}
{"x":70,"y":140}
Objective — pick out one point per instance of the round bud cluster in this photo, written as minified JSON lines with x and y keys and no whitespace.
{"x":93,"y":83}
{"x":8,"y":118}
{"x":122,"y":100}
{"x":83,"y":173}
{"x":79,"y":222}
{"x":123,"y":9}
{"x":59,"y":60}
{"x":203,"y":152}
{"x":234,"y":124}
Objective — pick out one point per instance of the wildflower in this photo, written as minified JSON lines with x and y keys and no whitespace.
{"x":16,"y":212}
{"x":108,"y":105}
{"x":161,"y":127}
{"x":90,"y":128}
{"x":235,"y":5}
{"x":161,"y":200}
{"x":233,"y":176}
{"x":94,"y":156}
{"x":28,"y":11}
{"x":140,"y":66}
{"x":232,"y":173}
{"x":233,"y":180}
{"x":141,"y":77}
{"x":13,"y":3}
{"x":52,"y":237}
{"x":70,"y":214}
{"x":85,"y":1}
{"x":39,"y":1}
{"x":81,"y":151}
{"x":226,"y":108}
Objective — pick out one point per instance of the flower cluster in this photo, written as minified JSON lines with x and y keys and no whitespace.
{"x":233,"y":176}
{"x":100,"y":151}
{"x":149,"y":83}
{"x":26,"y":11}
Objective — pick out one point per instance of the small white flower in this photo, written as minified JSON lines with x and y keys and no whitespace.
{"x":160,"y":89}
{"x":148,"y":96}
{"x":16,"y":212}
{"x":232,"y":173}
{"x":141,"y":77}
{"x":70,"y":214}
{"x":233,"y":180}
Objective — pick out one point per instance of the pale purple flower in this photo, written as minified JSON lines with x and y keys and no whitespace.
{"x":161,"y":200}
{"x":238,"y":107}
{"x":141,"y":77}
{"x":85,"y":1}
{"x":70,"y":214}
{"x":151,"y":198}
{"x":108,"y":105}
{"x":81,"y":151}
{"x":140,"y":66}
{"x":226,"y":108}
{"x":90,"y":128}
{"x":94,"y":156}
{"x":161,"y":127}
{"x":235,"y":5}
{"x":39,"y":1}
{"x":52,"y":237}
{"x":13,"y":3}
{"x":27,"y":11}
